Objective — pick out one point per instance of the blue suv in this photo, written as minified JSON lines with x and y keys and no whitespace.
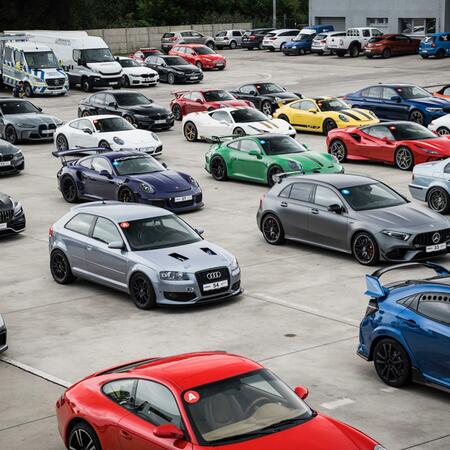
{"x":406,"y":330}
{"x":400,"y":102}
{"x":437,"y":44}
{"x":301,"y":44}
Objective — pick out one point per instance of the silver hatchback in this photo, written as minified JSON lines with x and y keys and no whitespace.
{"x":168,"y":40}
{"x":142,"y":250}
{"x":228,"y":38}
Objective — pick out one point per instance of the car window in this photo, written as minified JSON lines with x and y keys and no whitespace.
{"x":286,"y":192}
{"x":81,"y":223}
{"x":374,"y":92}
{"x":301,"y":192}
{"x":186,"y":33}
{"x":326,"y":197}
{"x":221,"y":116}
{"x":85,"y":123}
{"x":296,"y":105}
{"x":86,"y":163}
{"x":75,"y":124}
{"x":379,"y":132}
{"x":196,"y":96}
{"x":435,"y":306}
{"x":121,"y":392}
{"x":247,"y":145}
{"x":109,"y":99}
{"x":237,"y":33}
{"x":98,"y":99}
{"x":105,"y":231}
{"x":366,"y":33}
{"x":447,"y":168}
{"x":446,"y":91}
{"x":388,"y":93}
{"x":306,"y":105}
{"x":377,"y":32}
{"x":236,"y":145}
{"x":99,"y":164}
{"x":156,"y":404}
{"x":248,"y":89}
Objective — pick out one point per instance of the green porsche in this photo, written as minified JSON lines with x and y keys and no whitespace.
{"x":258,"y":158}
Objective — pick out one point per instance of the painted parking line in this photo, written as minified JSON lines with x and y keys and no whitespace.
{"x":389,"y":389}
{"x":337,"y":403}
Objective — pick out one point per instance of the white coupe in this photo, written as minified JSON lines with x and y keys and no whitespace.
{"x":232,"y":121}
{"x":441,"y":125}
{"x":136,"y":73}
{"x":106,"y":131}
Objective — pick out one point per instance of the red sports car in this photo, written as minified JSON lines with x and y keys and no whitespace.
{"x":143,"y":53}
{"x":200,"y":55}
{"x":196,"y":401}
{"x":403,"y":144}
{"x":186,"y":102}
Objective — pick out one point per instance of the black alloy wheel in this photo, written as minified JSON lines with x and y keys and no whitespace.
{"x":177,"y":112}
{"x":365,"y":249}
{"x":404,"y":158}
{"x":274,"y":170}
{"x":60,"y":268}
{"x":61,"y":142}
{"x":386,"y":53}
{"x":126,"y":195}
{"x":218,"y":168}
{"x":86,"y":85}
{"x":190,"y":131}
{"x":438,"y":200}
{"x":392,"y":363}
{"x":238,"y":131}
{"x":125,"y":81}
{"x":328,"y":125}
{"x":266,"y":107}
{"x":11,"y":134}
{"x":142,"y":292}
{"x":129,"y":119}
{"x":69,"y":189}
{"x":83,"y":437}
{"x":272,"y":229}
{"x":417,"y":117}
{"x":338,"y":149}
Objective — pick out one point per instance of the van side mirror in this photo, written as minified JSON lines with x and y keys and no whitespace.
{"x":302,"y":392}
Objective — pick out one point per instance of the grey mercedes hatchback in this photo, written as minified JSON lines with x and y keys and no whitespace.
{"x":142,"y":250}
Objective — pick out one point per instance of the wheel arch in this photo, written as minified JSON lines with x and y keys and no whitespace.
{"x":355,"y":42}
{"x":265,"y":214}
{"x":357,"y":230}
{"x":150,"y":273}
{"x":75,"y":421}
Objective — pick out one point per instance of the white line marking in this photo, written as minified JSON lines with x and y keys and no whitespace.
{"x":389,"y":389}
{"x":337,"y":403}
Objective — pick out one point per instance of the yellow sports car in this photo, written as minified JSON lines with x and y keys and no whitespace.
{"x":322,"y":114}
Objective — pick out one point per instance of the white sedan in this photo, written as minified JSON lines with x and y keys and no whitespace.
{"x":441,"y":125}
{"x":136,"y":73}
{"x":232,"y":121}
{"x":106,"y":131}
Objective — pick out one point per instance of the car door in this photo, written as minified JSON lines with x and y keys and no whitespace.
{"x":248,"y":92}
{"x":155,"y":405}
{"x":221,"y":125}
{"x":82,"y":134}
{"x":98,"y":185}
{"x":372,"y":99}
{"x":378,"y":143}
{"x":196,"y":102}
{"x":237,"y":36}
{"x":304,"y":117}
{"x":110,"y":106}
{"x":96,"y":103}
{"x":245,"y":165}
{"x":392,"y":106}
{"x":197,"y":38}
{"x":326,"y":227}
{"x":186,"y":37}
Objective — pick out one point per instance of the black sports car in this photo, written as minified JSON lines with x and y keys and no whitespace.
{"x":174,"y":69}
{"x":132,"y":106}
{"x":11,"y":158}
{"x":12,"y":217}
{"x":267,"y":97}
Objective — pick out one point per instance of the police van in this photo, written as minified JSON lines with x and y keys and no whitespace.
{"x":34,"y":64}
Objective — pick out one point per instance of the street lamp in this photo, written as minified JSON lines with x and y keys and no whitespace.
{"x":274,"y":16}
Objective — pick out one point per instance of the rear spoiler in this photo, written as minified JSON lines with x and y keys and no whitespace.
{"x":178,"y":94}
{"x":376,"y":290}
{"x":287,"y":101}
{"x":63,"y":154}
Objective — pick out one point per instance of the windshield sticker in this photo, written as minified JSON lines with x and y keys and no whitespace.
{"x":191,"y":397}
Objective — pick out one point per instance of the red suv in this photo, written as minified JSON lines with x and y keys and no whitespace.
{"x":200,"y":55}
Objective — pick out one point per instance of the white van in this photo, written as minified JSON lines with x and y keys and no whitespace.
{"x":87,"y":60}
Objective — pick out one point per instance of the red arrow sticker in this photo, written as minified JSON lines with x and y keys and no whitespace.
{"x":191,"y":397}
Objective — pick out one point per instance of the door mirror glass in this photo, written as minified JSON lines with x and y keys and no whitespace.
{"x":168,"y":431}
{"x":335,"y":208}
{"x":254,"y":152}
{"x":302,"y":392}
{"x":199,"y":231}
{"x":87,"y":130}
{"x":116,"y":245}
{"x":396,"y":98}
{"x":105,"y":173}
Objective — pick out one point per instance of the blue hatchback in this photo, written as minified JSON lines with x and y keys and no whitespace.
{"x":406,"y":330}
{"x":437,"y":44}
{"x":400,"y":102}
{"x":301,"y":44}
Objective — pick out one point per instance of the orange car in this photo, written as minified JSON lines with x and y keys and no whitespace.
{"x":444,"y":92}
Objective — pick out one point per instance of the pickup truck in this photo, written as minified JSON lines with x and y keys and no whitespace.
{"x":353,"y":42}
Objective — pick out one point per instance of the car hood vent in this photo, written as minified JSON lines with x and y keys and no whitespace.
{"x":179,"y":257}
{"x":208,"y":251}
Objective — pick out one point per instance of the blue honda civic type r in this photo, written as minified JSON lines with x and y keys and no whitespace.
{"x":406,"y":329}
{"x":127,"y":176}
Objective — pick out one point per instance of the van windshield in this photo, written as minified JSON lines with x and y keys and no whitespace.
{"x":95,"y":55}
{"x":41,"y":60}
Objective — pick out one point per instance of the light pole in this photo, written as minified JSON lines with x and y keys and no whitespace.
{"x":274,"y":13}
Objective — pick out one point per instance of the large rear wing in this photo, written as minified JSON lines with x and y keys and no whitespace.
{"x":220,"y":139}
{"x":63,"y":154}
{"x":377,"y":290}
{"x":279,"y":177}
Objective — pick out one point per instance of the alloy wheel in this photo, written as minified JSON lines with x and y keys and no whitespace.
{"x":176,"y":111}
{"x":61,"y":142}
{"x":438,"y":200}
{"x":218,"y":168}
{"x":126,"y":196}
{"x":404,"y":159}
{"x":273,"y":171}
{"x":141,"y":290}
{"x":328,"y":126}
{"x":364,"y":249}
{"x":59,"y":266}
{"x":337,"y":148}
{"x":68,"y":189}
{"x":271,"y":230}
{"x":190,"y":132}
{"x":266,"y":108}
{"x":11,"y":135}
{"x":443,"y":131}
{"x":416,"y":116}
{"x":81,"y":440}
{"x":391,"y":363}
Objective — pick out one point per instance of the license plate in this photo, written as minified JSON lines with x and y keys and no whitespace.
{"x":219,"y":65}
{"x":182,"y":199}
{"x":2,"y":226}
{"x":111,"y":83}
{"x":435,"y":248}
{"x":5,"y":163}
{"x":215,"y":285}
{"x":160,"y":121}
{"x":194,"y":77}
{"x":47,"y":131}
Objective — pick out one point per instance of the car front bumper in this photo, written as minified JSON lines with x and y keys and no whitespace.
{"x":14,"y":225}
{"x":291,"y":51}
{"x":148,"y":123}
{"x":193,"y":203}
{"x":14,"y":165}
{"x":143,"y":81}
{"x":104,"y":82}
{"x":192,"y":78}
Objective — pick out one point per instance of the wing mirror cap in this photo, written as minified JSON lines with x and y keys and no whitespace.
{"x":116,"y":245}
{"x":338,"y":209}
{"x":199,"y":230}
{"x":199,"y":100}
{"x":302,"y":392}
{"x":168,"y":431}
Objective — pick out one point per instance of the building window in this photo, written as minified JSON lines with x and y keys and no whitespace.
{"x":418,"y":27}
{"x":377,"y":22}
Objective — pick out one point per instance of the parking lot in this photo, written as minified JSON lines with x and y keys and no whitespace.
{"x":300,"y":311}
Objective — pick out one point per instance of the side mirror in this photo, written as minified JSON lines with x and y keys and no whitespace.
{"x":396,"y":98}
{"x":81,"y":62}
{"x":199,"y":100}
{"x":168,"y":431}
{"x":116,"y":245}
{"x":199,"y":231}
{"x":87,"y":130}
{"x":164,"y":165}
{"x":254,"y":153}
{"x":335,"y":208}
{"x":105,"y":173}
{"x":112,"y":104}
{"x":302,"y":392}
{"x":312,"y":110}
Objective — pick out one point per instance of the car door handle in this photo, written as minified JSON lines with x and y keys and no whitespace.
{"x":125,"y":435}
{"x":314,"y":211}
{"x":284,"y":204}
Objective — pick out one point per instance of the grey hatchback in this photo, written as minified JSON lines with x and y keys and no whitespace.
{"x":352,"y":214}
{"x":145,"y":251}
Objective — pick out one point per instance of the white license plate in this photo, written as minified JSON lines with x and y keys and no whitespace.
{"x":194,"y":77}
{"x":2,"y":226}
{"x":215,"y":285}
{"x":435,"y":248}
{"x":111,"y":83}
{"x":5,"y":163}
{"x":182,"y":199}
{"x":47,"y":131}
{"x":160,"y":121}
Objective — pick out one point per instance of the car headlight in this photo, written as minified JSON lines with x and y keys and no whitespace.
{"x":344,"y":118}
{"x":294,"y":165}
{"x":25,"y":125}
{"x":148,"y":188}
{"x":118,"y":140}
{"x":18,"y":209}
{"x":426,"y":150}
{"x":155,"y":136}
{"x":193,"y":181}
{"x":2,"y":322}
{"x":173,"y":275}
{"x":18,"y":155}
{"x":434,"y":109}
{"x":397,"y":234}
{"x":235,"y":267}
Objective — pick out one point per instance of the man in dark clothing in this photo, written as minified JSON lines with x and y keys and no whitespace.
{"x":18,"y":90}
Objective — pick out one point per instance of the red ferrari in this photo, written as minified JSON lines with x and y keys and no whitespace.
{"x":196,"y":401}
{"x":186,"y":102}
{"x":403,"y":144}
{"x":200,"y":55}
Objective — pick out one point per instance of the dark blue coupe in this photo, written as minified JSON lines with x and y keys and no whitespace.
{"x":125,"y":176}
{"x":400,"y":102}
{"x":406,"y":330}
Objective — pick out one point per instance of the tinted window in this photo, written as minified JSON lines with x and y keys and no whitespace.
{"x":18,"y":107}
{"x":237,"y":33}
{"x":301,"y":192}
{"x":105,"y":231}
{"x":221,"y":116}
{"x":366,"y":33}
{"x":121,"y":392}
{"x":436,"y":307}
{"x":245,"y":115}
{"x":81,"y":223}
{"x":248,"y":89}
{"x":99,"y":164}
{"x":379,"y":132}
{"x":447,"y":168}
{"x":326,"y":197}
{"x":280,"y":145}
{"x":173,"y":61}
{"x":131,"y":99}
{"x":217,"y":96}
{"x":406,"y":131}
{"x":168,"y":35}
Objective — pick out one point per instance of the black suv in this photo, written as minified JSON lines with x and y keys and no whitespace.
{"x":253,"y":39}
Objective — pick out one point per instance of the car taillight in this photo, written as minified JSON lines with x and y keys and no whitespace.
{"x":225,"y":38}
{"x":433,"y":44}
{"x":50,"y":231}
{"x":261,"y":199}
{"x":372,"y":307}
{"x":252,"y":37}
{"x":324,"y":41}
{"x":272,"y":38}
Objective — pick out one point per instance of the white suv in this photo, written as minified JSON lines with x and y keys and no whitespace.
{"x":277,"y":38}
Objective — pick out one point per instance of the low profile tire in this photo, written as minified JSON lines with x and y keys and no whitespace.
{"x":125,"y":195}
{"x":218,"y":168}
{"x":61,"y":142}
{"x":86,"y":85}
{"x":60,"y":268}
{"x":177,"y":112}
{"x":171,"y":78}
{"x":443,"y":131}
{"x":83,"y":437}
{"x":129,"y":119}
{"x":416,"y":116}
{"x":272,"y":229}
{"x":284,"y":117}
{"x":266,"y":107}
{"x":438,"y":200}
{"x":11,"y":134}
{"x":142,"y":292}
{"x":440,"y":53}
{"x":69,"y":189}
{"x":386,"y":53}
{"x":85,"y":114}
{"x":104,"y":144}
{"x":274,"y":170}
{"x":238,"y":131}
{"x":125,"y":81}
{"x":28,"y":90}
{"x":404,"y":158}
{"x":341,"y":54}
{"x":328,"y":125}
{"x":365,"y":249}
{"x":233,"y":45}
{"x":190,"y":131}
{"x":339,"y":150}
{"x":392,"y":363}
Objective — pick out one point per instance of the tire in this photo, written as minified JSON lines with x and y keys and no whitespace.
{"x":365,"y":249}
{"x":60,"y":268}
{"x":392,"y":363}
{"x":340,"y":53}
{"x":233,"y":45}
{"x":85,"y":114}
{"x":69,"y":189}
{"x":199,"y":65}
{"x":440,"y":53}
{"x":328,"y":125}
{"x":218,"y":168}
{"x":404,"y":159}
{"x":284,"y":117}
{"x":271,"y":172}
{"x":424,"y":56}
{"x":61,"y":142}
{"x":250,"y":48}
{"x":438,"y":200}
{"x":142,"y":292}
{"x":260,"y":46}
{"x":210,"y":44}
{"x":170,"y":78}
{"x":416,"y":116}
{"x":353,"y":51}
{"x":238,"y":131}
{"x":125,"y":81}
{"x":11,"y":134}
{"x":443,"y":131}
{"x":125,"y":195}
{"x":28,"y":90}
{"x":83,"y":437}
{"x":386,"y":53}
{"x":271,"y":49}
{"x":177,"y":112}
{"x":104,"y":144}
{"x":86,"y":85}
{"x":129,"y":119}
{"x":266,"y":107}
{"x":190,"y":131}
{"x":272,"y":229}
{"x":302,"y":51}
{"x":338,"y":149}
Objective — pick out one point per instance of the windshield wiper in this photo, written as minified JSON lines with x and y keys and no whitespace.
{"x":275,"y":426}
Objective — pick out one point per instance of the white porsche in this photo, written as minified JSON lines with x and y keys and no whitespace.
{"x":136,"y":74}
{"x":106,"y":131}
{"x":441,"y":125}
{"x":232,"y":121}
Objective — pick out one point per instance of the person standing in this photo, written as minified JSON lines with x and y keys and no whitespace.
{"x":18,"y":90}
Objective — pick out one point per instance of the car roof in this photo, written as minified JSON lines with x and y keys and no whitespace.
{"x":336,"y":180}
{"x":118,"y":154}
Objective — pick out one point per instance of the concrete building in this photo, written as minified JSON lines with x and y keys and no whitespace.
{"x":411,"y":17}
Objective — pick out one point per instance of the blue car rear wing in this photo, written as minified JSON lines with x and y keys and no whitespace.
{"x":63,"y":154}
{"x":376,"y":290}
